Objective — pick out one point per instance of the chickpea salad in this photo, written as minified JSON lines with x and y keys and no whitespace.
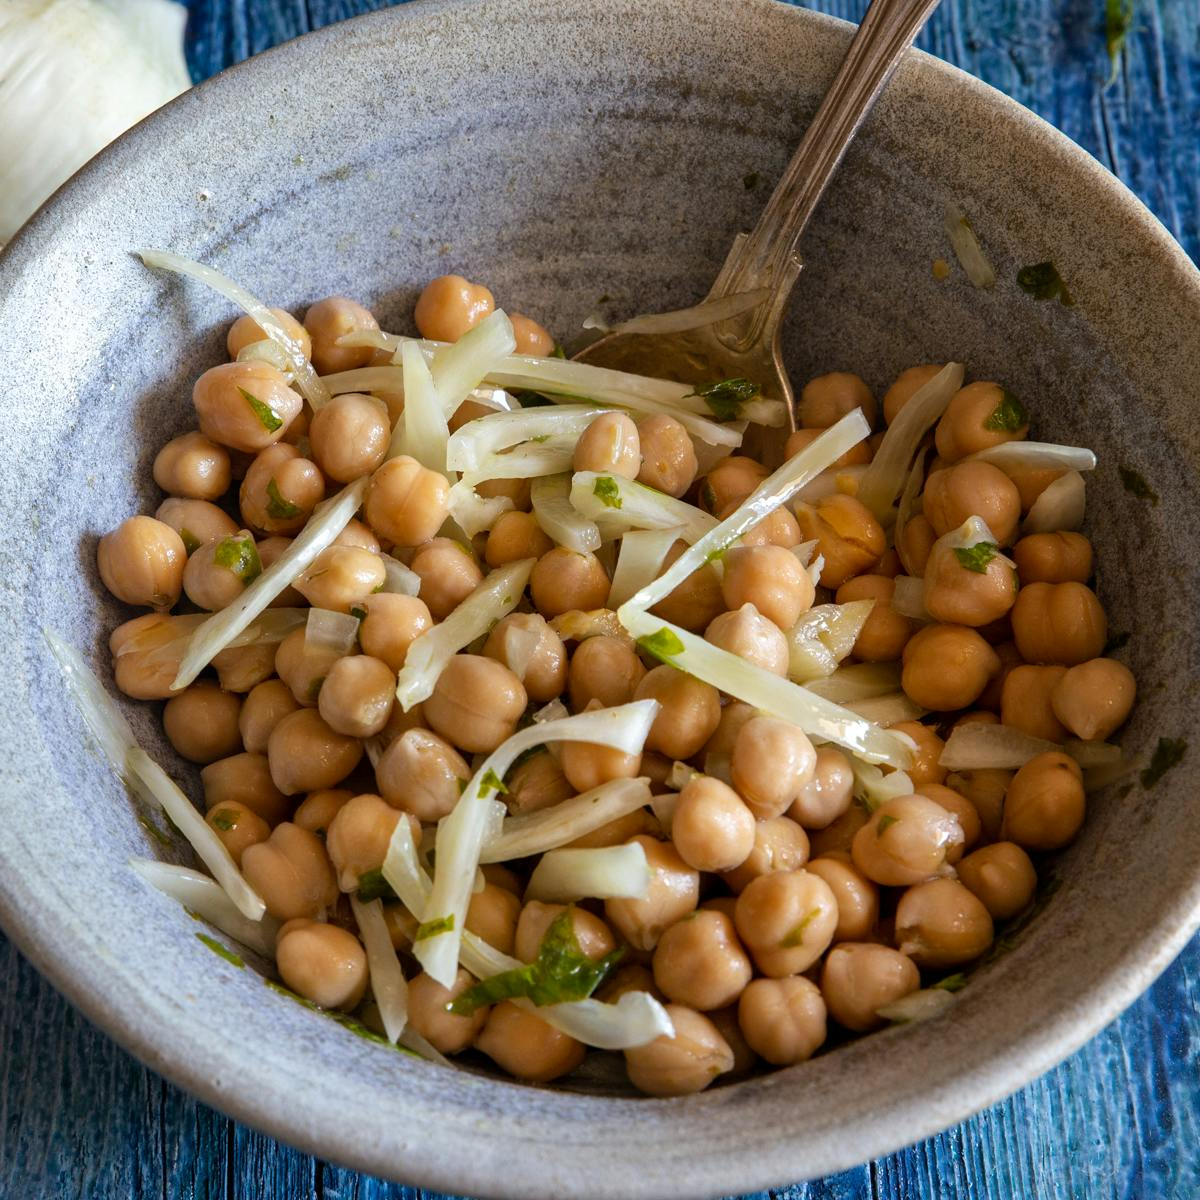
{"x":534,"y":716}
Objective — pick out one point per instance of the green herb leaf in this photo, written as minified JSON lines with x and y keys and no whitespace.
{"x":976,"y":558}
{"x":750,"y":181}
{"x":278,"y":508}
{"x":561,"y":973}
{"x":491,"y":782}
{"x":952,"y":983}
{"x":1043,"y":282}
{"x":607,"y":491}
{"x":373,"y":886}
{"x":1167,"y":754}
{"x":222,"y":951}
{"x":268,"y":418}
{"x":358,"y":612}
{"x":726,"y":397}
{"x":885,"y":822}
{"x":1008,"y":416}
{"x":1118,"y":20}
{"x":540,"y":438}
{"x":240,"y":556}
{"x":1118,"y":641}
{"x":796,"y":936}
{"x":191,"y":542}
{"x":224,"y":819}
{"x":664,"y":645}
{"x":433,"y":928}
{"x":159,"y":835}
{"x":1135,"y":484}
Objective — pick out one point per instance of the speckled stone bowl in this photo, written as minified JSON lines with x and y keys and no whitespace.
{"x":564,"y":150}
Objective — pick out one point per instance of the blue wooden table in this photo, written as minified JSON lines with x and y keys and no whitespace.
{"x":79,"y":1118}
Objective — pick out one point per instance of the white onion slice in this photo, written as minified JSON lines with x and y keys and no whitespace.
{"x":1037,"y":455}
{"x":609,"y":872}
{"x":1061,"y":507}
{"x":387,"y":978}
{"x":332,"y":631}
{"x":967,"y":249}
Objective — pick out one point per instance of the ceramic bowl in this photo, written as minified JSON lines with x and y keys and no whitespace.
{"x":563,"y":151}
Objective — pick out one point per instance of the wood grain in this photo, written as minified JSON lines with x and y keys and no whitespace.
{"x":1120,"y":1120}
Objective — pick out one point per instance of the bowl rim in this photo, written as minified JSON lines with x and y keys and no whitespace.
{"x":66,"y":960}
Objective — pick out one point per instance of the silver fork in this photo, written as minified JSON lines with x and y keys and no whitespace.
{"x":747,"y":346}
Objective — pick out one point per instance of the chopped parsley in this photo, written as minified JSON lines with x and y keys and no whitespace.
{"x":278,"y":508}
{"x":373,"y":886}
{"x":886,"y":821}
{"x":221,"y":951}
{"x":796,"y":936}
{"x":952,"y":983}
{"x":726,"y":397}
{"x":1135,"y":484}
{"x":663,"y":645}
{"x":239,"y":555}
{"x":491,"y":782}
{"x":1118,"y":20}
{"x":224,"y":819}
{"x":561,"y":973}
{"x":559,"y":351}
{"x":976,"y":558}
{"x":1043,"y":282}
{"x":607,"y":491}
{"x":268,"y":418}
{"x":435,"y":927}
{"x":1008,"y":416}
{"x":1167,"y":754}
{"x":190,"y":541}
{"x":358,"y":612}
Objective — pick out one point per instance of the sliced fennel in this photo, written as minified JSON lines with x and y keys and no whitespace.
{"x":976,"y":746}
{"x":387,"y":979}
{"x":863,"y":681}
{"x":1036,"y":455}
{"x":818,"y":717}
{"x":329,"y":518}
{"x":908,"y":598}
{"x":823,"y":637}
{"x":421,"y":431}
{"x":526,"y":461}
{"x":697,"y":316}
{"x":207,"y":899}
{"x":617,"y":505}
{"x":886,"y":710}
{"x":917,"y":1006}
{"x":550,"y":498}
{"x":458,"y":368}
{"x":461,"y":835}
{"x":883,"y":480}
{"x":332,"y":631}
{"x":874,"y":788}
{"x":307,"y":380}
{"x":143,"y":775}
{"x":642,"y":554}
{"x":160,"y":645}
{"x":536,"y":832}
{"x":495,"y":597}
{"x":472,"y":512}
{"x":772,"y":492}
{"x":967,"y":249}
{"x":471,"y":445}
{"x":1061,"y":506}
{"x":398,"y":578}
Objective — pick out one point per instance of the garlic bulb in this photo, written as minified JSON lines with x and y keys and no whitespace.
{"x":75,"y":74}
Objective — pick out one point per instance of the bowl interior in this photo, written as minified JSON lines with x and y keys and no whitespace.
{"x":563,"y":154}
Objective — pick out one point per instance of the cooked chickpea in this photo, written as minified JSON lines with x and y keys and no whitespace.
{"x":838,"y":835}
{"x":857,"y":897}
{"x":306,"y":755}
{"x":449,"y":306}
{"x":238,"y":827}
{"x":280,"y":490}
{"x":973,"y":489}
{"x":358,"y":837}
{"x":196,"y":521}
{"x":915,"y":543}
{"x":786,"y":919}
{"x":525,"y":643}
{"x":941,"y":924}
{"x":985,"y":788}
{"x":291,"y":872}
{"x":476,"y":704}
{"x":859,"y":978}
{"x":1045,"y":804}
{"x":988,"y":702}
{"x":826,"y":399}
{"x":239,"y":668}
{"x":356,"y":533}
{"x":526,"y":1047}
{"x":777,"y":528}
{"x":219,"y":572}
{"x":926,"y":767}
{"x":958,"y":592}
{"x":194,"y":467}
{"x":143,"y":561}
{"x":563,"y":580}
{"x":422,"y":773}
{"x":978,"y":416}
{"x":448,"y":574}
{"x":536,"y":783}
{"x":683,"y":1064}
{"x":323,"y":963}
{"x":357,"y":695}
{"x":492,"y":915}
{"x":828,"y":794}
{"x":690,"y":713}
{"x":695,"y":602}
{"x":958,"y":805}
{"x":619,"y":831}
{"x":772,"y":761}
{"x":1001,"y":876}
{"x":730,"y":482}
{"x":779,"y":845}
{"x":748,"y":635}
{"x":304,"y":667}
{"x":341,"y":577}
{"x":946,"y":667}
{"x":595,"y":939}
{"x":847,"y":535}
{"x":349,"y":436}
{"x":609,"y":445}
{"x":429,"y":1016}
{"x":907,"y":384}
{"x":734,"y":715}
{"x":885,"y":632}
{"x":907,"y":839}
{"x":245,"y":406}
{"x":333,"y":318}
{"x":531,"y":337}
{"x":201,"y":722}
{"x":1025,"y":701}
{"x":1058,"y":623}
{"x":587,"y":765}
{"x":246,"y":779}
{"x":772,"y":579}
{"x":800,"y":439}
{"x":1094,"y":698}
{"x":711,"y":828}
{"x":245,"y":331}
{"x":783,"y":1020}
{"x":1054,"y":558}
{"x":668,"y":457}
{"x":605,"y":669}
{"x":673,"y":893}
{"x":393,"y":622}
{"x":317,"y":810}
{"x":700,"y":962}
{"x":515,"y":535}
{"x":406,"y":503}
